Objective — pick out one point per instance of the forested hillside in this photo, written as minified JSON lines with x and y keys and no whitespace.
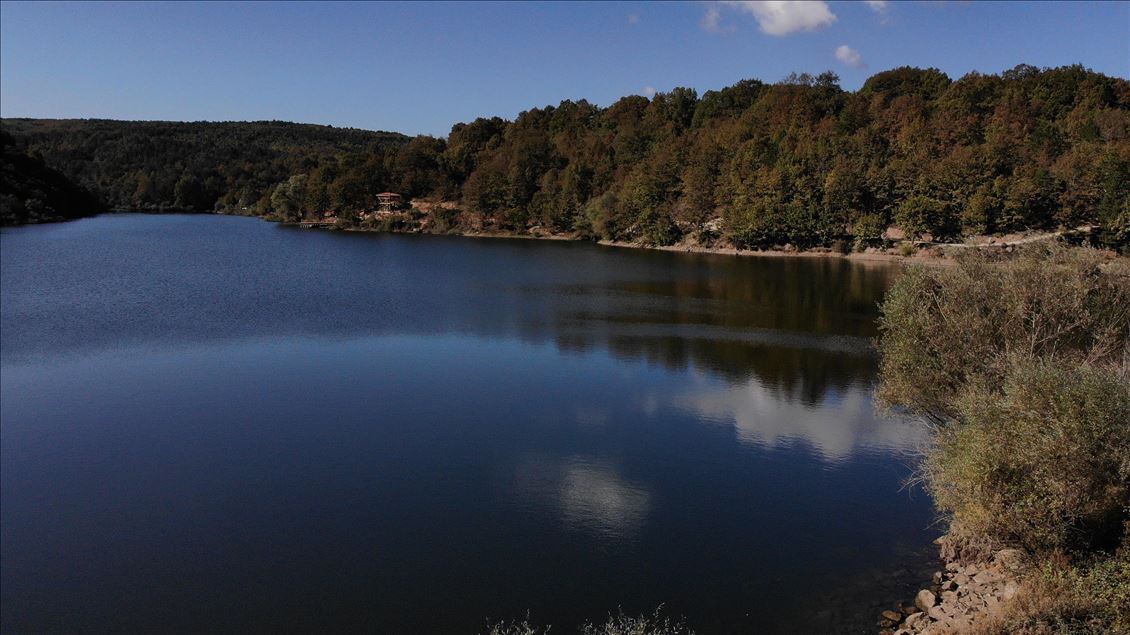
{"x":800,"y":161}
{"x":31,"y":192}
{"x":201,"y":166}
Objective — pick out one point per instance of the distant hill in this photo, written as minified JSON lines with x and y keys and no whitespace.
{"x":157,"y":165}
{"x":800,"y":162}
{"x":31,"y":192}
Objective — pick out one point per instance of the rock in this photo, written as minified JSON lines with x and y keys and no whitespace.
{"x":961,"y":579}
{"x":937,"y":613}
{"x":894,"y":233}
{"x":986,"y":577}
{"x":971,"y":570}
{"x":1010,"y":590}
{"x":949,"y":585}
{"x":914,"y":619}
{"x":924,"y":600}
{"x":1011,"y":559}
{"x":908,"y":609}
{"x":937,"y":577}
{"x":893,"y":616}
{"x":962,"y":624}
{"x":952,"y":566}
{"x":949,"y":597}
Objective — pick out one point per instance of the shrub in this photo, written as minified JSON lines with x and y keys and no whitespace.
{"x":943,"y":327}
{"x":1043,"y":461}
{"x":1022,"y":366}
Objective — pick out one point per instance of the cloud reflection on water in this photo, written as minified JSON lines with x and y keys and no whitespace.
{"x":841,"y":425}
{"x":589,"y":495}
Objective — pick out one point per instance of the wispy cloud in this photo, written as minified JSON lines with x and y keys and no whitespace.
{"x":881,"y":7}
{"x":649,"y":91}
{"x":775,"y":17}
{"x":633,"y":18}
{"x":712,"y":20}
{"x":850,"y":56}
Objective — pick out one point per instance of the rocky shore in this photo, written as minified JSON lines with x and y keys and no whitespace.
{"x":959,"y":596}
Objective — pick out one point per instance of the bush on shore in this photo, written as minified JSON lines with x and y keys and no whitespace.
{"x":1042,"y":460}
{"x":1022,"y":366}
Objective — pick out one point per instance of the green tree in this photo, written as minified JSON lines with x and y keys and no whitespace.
{"x":288,"y":197}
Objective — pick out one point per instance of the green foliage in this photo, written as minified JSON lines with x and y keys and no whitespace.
{"x":982,"y":211}
{"x":928,"y":84}
{"x":921,"y":215}
{"x":799,"y":161}
{"x":189,"y":193}
{"x":287,"y":198}
{"x":152,"y":165}
{"x":31,"y":192}
{"x":868,"y":228}
{"x":1116,"y":229}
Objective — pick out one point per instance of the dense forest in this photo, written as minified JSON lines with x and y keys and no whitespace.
{"x":31,"y":192}
{"x":800,"y":162}
{"x":201,"y":166}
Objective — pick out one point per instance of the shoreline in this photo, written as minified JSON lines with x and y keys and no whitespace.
{"x":925,"y":253}
{"x":961,"y":595}
{"x":932,"y":255}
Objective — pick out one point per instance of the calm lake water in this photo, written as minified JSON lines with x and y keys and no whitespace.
{"x":220,"y":424}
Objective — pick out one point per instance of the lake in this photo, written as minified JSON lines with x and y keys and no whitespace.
{"x":220,"y":424}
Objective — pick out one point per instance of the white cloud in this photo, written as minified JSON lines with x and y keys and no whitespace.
{"x":712,"y":20}
{"x":880,"y":7}
{"x":850,"y":56}
{"x":775,"y":17}
{"x":649,"y":91}
{"x":633,"y":18}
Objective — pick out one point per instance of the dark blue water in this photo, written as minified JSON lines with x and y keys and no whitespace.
{"x":220,"y":424}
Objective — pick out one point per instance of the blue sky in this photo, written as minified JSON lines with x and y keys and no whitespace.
{"x":418,"y":68}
